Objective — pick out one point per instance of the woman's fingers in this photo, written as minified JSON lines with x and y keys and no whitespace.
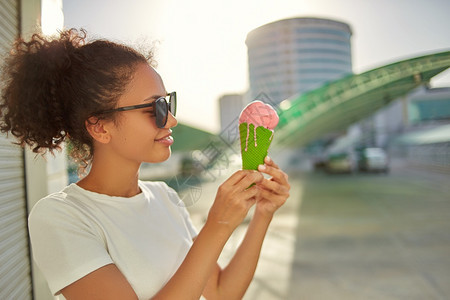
{"x":242,"y":179}
{"x":274,"y":186}
{"x":273,"y":170}
{"x":276,"y":200}
{"x":270,"y":162}
{"x":235,"y":197}
{"x":245,"y":188}
{"x":251,"y":194}
{"x":235,"y":178}
{"x":250,"y":178}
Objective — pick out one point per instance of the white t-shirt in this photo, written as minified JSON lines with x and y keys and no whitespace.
{"x":75,"y":231}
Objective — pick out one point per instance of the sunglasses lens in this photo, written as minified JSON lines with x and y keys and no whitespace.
{"x":162,"y":108}
{"x":161,"y":112}
{"x":173,"y":103}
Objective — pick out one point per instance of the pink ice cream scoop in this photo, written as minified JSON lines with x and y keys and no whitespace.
{"x":259,"y":114}
{"x":256,"y":141}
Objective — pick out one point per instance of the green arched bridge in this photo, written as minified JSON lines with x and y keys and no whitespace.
{"x":341,"y":103}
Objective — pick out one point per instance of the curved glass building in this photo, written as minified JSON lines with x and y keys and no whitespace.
{"x":292,"y":56}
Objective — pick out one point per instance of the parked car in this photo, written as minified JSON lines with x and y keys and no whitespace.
{"x":319,"y":162}
{"x":373,"y":160}
{"x":343,"y":162}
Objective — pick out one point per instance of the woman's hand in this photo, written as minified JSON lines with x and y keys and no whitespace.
{"x":274,"y":191}
{"x":235,"y":197}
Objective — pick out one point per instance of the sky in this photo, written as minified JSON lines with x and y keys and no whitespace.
{"x":200,"y":44}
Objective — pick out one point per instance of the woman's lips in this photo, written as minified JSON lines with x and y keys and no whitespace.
{"x":167,"y":140}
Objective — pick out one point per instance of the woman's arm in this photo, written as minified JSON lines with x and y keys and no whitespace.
{"x":104,"y":283}
{"x":233,"y":281}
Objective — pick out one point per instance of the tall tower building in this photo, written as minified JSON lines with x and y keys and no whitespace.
{"x":296,"y":55}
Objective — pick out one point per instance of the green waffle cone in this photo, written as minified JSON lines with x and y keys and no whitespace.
{"x":254,"y":156}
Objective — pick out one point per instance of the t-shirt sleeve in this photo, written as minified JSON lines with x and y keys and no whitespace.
{"x":65,"y":244}
{"x":175,"y":198}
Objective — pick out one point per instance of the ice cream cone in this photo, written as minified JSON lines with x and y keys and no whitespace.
{"x":254,"y":145}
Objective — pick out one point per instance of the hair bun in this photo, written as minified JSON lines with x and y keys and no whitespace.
{"x":54,"y":55}
{"x":36,"y":71}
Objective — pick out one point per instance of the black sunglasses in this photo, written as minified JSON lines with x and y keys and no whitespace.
{"x":160,"y":106}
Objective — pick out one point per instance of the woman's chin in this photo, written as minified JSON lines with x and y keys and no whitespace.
{"x":160,"y":158}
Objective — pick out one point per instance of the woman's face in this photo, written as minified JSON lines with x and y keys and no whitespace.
{"x":135,"y":136}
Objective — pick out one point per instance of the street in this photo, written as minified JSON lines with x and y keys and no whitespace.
{"x":360,"y":236}
{"x":373,"y":237}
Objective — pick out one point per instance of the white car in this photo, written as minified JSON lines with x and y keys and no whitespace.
{"x":374,"y":160}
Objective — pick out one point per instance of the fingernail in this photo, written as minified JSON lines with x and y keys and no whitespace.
{"x":261,"y":167}
{"x":268,"y":159}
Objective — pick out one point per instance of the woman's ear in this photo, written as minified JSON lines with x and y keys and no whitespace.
{"x":97,"y":129}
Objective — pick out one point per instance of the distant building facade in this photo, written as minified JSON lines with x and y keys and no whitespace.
{"x":429,"y":106}
{"x":292,"y":56}
{"x":423,"y":109}
{"x":230,"y":106}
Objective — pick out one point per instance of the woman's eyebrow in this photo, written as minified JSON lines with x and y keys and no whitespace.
{"x":154,"y":97}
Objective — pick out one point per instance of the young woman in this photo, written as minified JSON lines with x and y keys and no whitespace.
{"x":110,"y":235}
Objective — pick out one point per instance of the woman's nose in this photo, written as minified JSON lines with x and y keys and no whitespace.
{"x":171,"y":121}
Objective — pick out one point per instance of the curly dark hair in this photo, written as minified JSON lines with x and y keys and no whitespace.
{"x":50,"y":87}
